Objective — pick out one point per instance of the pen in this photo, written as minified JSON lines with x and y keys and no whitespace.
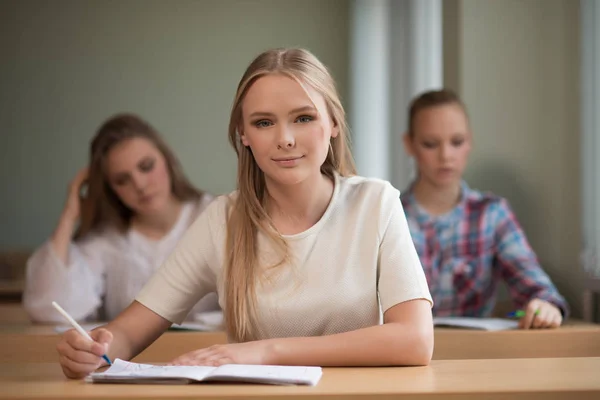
{"x":520,"y":313}
{"x":77,"y":327}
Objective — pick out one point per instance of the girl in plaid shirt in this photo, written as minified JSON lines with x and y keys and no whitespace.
{"x":467,"y":240}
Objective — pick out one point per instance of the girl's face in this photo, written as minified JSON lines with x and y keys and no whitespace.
{"x":137,"y":172}
{"x":288,"y":128}
{"x":440,"y":144}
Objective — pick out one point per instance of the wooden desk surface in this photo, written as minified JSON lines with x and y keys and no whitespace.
{"x":39,"y":342}
{"x":543,"y":379}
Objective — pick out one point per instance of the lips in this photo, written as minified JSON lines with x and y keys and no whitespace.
{"x":288,"y":162}
{"x":283,"y":159}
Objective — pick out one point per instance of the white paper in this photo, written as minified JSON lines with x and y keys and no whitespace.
{"x":128,"y":372}
{"x":486,"y":324}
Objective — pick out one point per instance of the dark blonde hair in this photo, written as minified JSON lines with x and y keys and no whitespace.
{"x":429,"y":99}
{"x":248,"y":215}
{"x":102,"y":206}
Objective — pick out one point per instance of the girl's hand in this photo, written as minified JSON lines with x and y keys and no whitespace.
{"x":73,"y":206}
{"x":257,"y":352}
{"x":78,"y":356}
{"x":540,"y":314}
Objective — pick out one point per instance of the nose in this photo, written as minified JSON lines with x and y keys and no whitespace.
{"x":285,"y":138}
{"x":445,"y":152}
{"x":139,"y":182}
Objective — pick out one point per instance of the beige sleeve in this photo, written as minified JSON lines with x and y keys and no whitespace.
{"x":187,"y":276}
{"x":401,"y":276}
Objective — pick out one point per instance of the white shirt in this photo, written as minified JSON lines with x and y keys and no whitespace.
{"x":106,"y":268}
{"x":356,"y":262}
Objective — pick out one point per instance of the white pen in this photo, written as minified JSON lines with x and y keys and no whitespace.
{"x":77,"y":327}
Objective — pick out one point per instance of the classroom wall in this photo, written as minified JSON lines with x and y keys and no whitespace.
{"x":67,"y":65}
{"x":516,"y":64}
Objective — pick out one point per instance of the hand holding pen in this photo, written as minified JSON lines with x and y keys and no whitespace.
{"x":82,"y":353}
{"x":538,"y":314}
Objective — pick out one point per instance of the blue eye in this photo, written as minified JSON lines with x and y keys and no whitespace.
{"x":263,"y":123}
{"x":304,"y":119}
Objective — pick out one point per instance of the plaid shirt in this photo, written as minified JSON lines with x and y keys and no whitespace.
{"x":467,"y":251}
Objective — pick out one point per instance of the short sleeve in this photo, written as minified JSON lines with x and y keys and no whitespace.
{"x":187,"y":276}
{"x":401,"y":276}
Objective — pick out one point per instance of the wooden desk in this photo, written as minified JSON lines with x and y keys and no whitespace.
{"x":38,"y":343}
{"x":567,"y":341}
{"x":12,"y":313}
{"x":555,"y":378}
{"x":16,"y":347}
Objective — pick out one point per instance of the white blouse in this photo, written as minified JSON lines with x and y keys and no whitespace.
{"x":104,"y":273}
{"x":355,"y":263}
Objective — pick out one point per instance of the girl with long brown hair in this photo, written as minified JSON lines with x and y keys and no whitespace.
{"x":312,"y":264}
{"x":123,"y":215}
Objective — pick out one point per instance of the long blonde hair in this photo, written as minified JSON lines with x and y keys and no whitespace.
{"x":102,"y":206}
{"x":248,"y":215}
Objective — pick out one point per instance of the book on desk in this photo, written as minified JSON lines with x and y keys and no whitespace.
{"x":128,"y":372}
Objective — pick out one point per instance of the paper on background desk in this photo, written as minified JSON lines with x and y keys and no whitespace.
{"x":485,"y":324}
{"x":202,"y":322}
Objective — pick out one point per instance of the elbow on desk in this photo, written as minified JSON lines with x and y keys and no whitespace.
{"x":416,"y":349}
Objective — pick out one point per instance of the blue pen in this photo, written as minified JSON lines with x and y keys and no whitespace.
{"x":77,"y":327}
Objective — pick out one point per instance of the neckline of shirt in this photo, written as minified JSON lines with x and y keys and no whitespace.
{"x":181,"y":219}
{"x":323,"y":220}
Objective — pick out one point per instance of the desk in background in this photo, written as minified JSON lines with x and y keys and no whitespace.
{"x":31,"y":343}
{"x":543,"y":379}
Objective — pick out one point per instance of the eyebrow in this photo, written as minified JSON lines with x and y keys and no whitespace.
{"x":294,"y":111}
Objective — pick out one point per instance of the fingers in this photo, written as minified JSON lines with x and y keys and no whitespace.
{"x":78,"y":356}
{"x":75,"y":358}
{"x":557,"y":320}
{"x":205,"y":356}
{"x":73,"y":340}
{"x":541,"y":314}
{"x":542,"y":319}
{"x":528,"y":319}
{"x":73,"y":370}
{"x":77,"y":182}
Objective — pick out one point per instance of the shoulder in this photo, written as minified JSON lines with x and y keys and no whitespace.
{"x":371,"y":190}
{"x":214,"y":208}
{"x":368,"y":200}
{"x":200,"y":204}
{"x":493,"y":206}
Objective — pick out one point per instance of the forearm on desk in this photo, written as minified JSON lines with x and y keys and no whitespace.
{"x":390,"y":344}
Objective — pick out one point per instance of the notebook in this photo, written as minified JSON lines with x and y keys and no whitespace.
{"x":486,"y":324}
{"x":129,"y":372}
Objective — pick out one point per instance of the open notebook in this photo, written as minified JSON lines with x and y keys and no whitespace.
{"x":486,"y":324}
{"x":128,"y":372}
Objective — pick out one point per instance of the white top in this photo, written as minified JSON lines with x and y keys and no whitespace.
{"x":106,"y":268}
{"x":357,"y":261}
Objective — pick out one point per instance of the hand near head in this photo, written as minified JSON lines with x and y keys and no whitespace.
{"x":541,"y":314}
{"x":78,"y":356}
{"x":73,"y":204}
